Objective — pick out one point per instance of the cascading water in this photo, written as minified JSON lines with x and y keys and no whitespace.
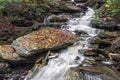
{"x":47,"y":20}
{"x":57,"y":67}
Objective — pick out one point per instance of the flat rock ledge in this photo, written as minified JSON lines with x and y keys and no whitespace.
{"x":41,"y":40}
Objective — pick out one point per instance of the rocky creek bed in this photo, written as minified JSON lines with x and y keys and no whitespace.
{"x":29,"y":42}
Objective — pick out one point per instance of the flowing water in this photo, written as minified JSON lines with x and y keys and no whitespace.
{"x":57,"y":67}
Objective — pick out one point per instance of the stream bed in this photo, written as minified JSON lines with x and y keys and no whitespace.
{"x":57,"y":67}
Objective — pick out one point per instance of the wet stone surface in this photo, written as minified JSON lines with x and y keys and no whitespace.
{"x":46,"y":38}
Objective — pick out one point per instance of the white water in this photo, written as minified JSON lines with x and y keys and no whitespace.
{"x":47,"y":20}
{"x":57,"y":67}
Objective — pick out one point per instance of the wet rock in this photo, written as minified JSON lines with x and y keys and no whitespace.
{"x":22,"y":23}
{"x":9,"y":32}
{"x":106,"y":25}
{"x":90,"y":53}
{"x":81,"y":33}
{"x":95,"y":40}
{"x":56,"y":25}
{"x":82,"y":51}
{"x":70,"y":7}
{"x":76,"y":15}
{"x":92,"y":73}
{"x":107,"y":34}
{"x":104,"y":44}
{"x":115,"y":56}
{"x":89,"y":61}
{"x":107,"y":40}
{"x":60,"y":18}
{"x":4,"y":68}
{"x":117,"y":50}
{"x":115,"y":44}
{"x":78,"y":1}
{"x":96,"y":4}
{"x":8,"y":53}
{"x":42,"y":40}
{"x":73,"y":75}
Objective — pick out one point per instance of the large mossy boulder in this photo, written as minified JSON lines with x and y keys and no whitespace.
{"x":43,"y":40}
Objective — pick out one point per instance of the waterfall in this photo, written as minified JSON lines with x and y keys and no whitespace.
{"x":47,"y":20}
{"x":57,"y":67}
{"x":72,"y":0}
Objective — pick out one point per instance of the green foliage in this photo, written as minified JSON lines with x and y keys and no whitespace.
{"x":118,"y":25}
{"x":109,"y":9}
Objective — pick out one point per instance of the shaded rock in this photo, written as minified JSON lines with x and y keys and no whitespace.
{"x":73,"y":75}
{"x":82,"y":51}
{"x":104,"y":44}
{"x":106,"y":25}
{"x":95,"y":40}
{"x":22,"y":23}
{"x":56,"y":25}
{"x":95,"y":55}
{"x":76,"y":15}
{"x":4,"y":68}
{"x":115,"y":56}
{"x":89,"y":61}
{"x":95,"y":3}
{"x":59,"y":18}
{"x":78,"y":1}
{"x":81,"y":33}
{"x":8,"y":53}
{"x":90,"y":53}
{"x":9,"y":32}
{"x":70,"y":7}
{"x":117,"y":51}
{"x":115,"y":44}
{"x":107,"y":40}
{"x":42,"y":40}
{"x":92,"y":73}
{"x":107,"y":34}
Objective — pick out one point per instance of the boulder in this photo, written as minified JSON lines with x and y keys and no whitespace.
{"x":41,"y":40}
{"x":81,"y":33}
{"x":107,"y":40}
{"x":95,"y":3}
{"x":107,"y":34}
{"x":70,"y":7}
{"x":59,"y":18}
{"x":9,"y":32}
{"x":8,"y":53}
{"x":4,"y":68}
{"x":78,"y":1}
{"x":92,"y":73}
{"x":104,"y":24}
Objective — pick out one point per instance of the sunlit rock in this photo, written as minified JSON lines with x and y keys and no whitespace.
{"x":43,"y":40}
{"x":8,"y":53}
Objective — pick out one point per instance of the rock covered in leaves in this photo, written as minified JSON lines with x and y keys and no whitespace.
{"x":3,"y":67}
{"x":44,"y":39}
{"x":8,"y":53}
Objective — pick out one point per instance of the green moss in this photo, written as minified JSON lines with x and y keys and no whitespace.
{"x":109,"y":9}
